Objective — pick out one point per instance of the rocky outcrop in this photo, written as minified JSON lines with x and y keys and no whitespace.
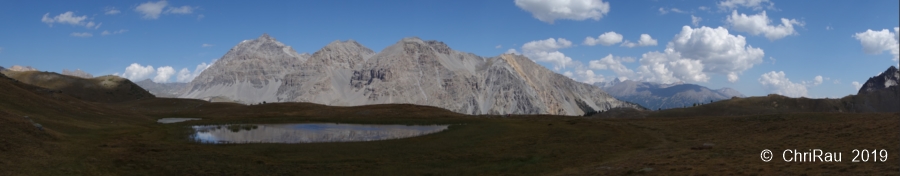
{"x":665,"y":96}
{"x":22,"y":68}
{"x":888,"y":78}
{"x":879,"y":94}
{"x":77,"y":73}
{"x":412,"y":71}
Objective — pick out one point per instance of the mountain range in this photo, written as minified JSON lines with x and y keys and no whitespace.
{"x":411,"y":71}
{"x":665,"y":96}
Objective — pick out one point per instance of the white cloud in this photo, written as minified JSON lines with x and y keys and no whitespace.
{"x":703,"y":8}
{"x":695,"y":53}
{"x":206,"y":45}
{"x":752,"y":4}
{"x":876,"y":42}
{"x":760,"y":24}
{"x":663,"y":10}
{"x":719,"y":51}
{"x":695,"y":20}
{"x":776,"y":82}
{"x":498,"y":47}
{"x":180,"y":10}
{"x":511,"y":51}
{"x":856,"y":85}
{"x":836,"y":81}
{"x":69,"y":18}
{"x":151,"y":10}
{"x":200,"y":17}
{"x":605,"y":39}
{"x":645,"y":40}
{"x":613,"y":63}
{"x":828,"y":28}
{"x":112,"y":11}
{"x":547,"y":51}
{"x":818,"y":80}
{"x":670,"y":67}
{"x":549,"y":44}
{"x":135,"y":72}
{"x":550,"y":10}
{"x":568,"y":74}
{"x":163,"y":74}
{"x":105,"y":32}
{"x":186,"y":76}
{"x":81,"y":34}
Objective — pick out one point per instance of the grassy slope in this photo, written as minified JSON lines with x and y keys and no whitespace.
{"x":96,"y":138}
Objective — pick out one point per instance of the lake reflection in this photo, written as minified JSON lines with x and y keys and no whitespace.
{"x":307,"y":132}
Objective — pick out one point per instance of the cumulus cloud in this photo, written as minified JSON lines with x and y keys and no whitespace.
{"x":550,"y":10}
{"x":186,"y":75}
{"x":876,"y":42}
{"x":163,"y":74}
{"x":719,"y":51}
{"x":752,"y":4}
{"x":111,"y":11}
{"x":670,"y":67}
{"x":106,"y":32}
{"x":605,"y":39}
{"x":136,"y":72}
{"x":856,"y":85}
{"x":818,"y":80}
{"x":815,"y":82}
{"x":645,"y":40}
{"x":180,"y":10}
{"x":760,"y":24}
{"x":693,"y":55}
{"x":695,"y":20}
{"x":81,"y":34}
{"x":69,"y":18}
{"x":776,"y":82}
{"x":613,"y":63}
{"x":547,"y":51}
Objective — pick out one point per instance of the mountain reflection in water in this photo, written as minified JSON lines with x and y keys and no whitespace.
{"x":307,"y":132}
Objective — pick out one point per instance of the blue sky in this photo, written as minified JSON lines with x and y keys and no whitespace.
{"x":716,"y":43}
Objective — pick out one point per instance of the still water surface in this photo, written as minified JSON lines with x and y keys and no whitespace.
{"x":307,"y":132}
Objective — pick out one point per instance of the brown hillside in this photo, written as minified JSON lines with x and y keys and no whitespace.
{"x":109,"y":89}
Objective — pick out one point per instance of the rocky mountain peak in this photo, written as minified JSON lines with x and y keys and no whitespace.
{"x":254,"y":63}
{"x":342,"y":54}
{"x":888,"y":78}
{"x":265,"y":36}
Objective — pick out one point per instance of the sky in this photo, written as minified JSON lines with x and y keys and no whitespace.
{"x":795,"y":48}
